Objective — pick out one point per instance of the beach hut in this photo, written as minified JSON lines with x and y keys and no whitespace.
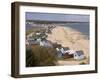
{"x":27,"y":43}
{"x":38,"y":33}
{"x":61,"y":51}
{"x":33,"y":42}
{"x":45,"y":44}
{"x":79,"y":55}
{"x":69,"y":54}
{"x":38,"y":40}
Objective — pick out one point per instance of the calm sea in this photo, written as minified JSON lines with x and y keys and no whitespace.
{"x":82,"y":27}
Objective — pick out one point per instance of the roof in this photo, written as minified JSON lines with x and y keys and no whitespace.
{"x":33,"y":42}
{"x":79,"y":53}
{"x":71,"y":51}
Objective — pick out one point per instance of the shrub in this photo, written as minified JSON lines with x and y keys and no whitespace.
{"x":82,"y":63}
{"x":40,"y":56}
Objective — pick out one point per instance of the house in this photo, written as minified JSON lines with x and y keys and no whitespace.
{"x":27,"y":43}
{"x":30,"y":38}
{"x":45,"y":43}
{"x":64,"y":50}
{"x":32,"y":42}
{"x":48,"y":31}
{"x":38,"y":33}
{"x":69,"y":54}
{"x":59,"y":54}
{"x":61,"y":51}
{"x":79,"y":55}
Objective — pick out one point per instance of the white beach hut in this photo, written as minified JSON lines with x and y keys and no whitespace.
{"x":79,"y":55}
{"x":38,"y":33}
{"x":62,"y":50}
{"x":38,"y":40}
{"x":27,"y":43}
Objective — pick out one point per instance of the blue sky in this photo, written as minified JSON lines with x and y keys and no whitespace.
{"x":56,"y":17}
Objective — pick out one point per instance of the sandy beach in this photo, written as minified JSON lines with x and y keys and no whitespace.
{"x":71,"y":38}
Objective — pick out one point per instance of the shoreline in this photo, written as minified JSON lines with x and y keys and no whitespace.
{"x":71,"y":38}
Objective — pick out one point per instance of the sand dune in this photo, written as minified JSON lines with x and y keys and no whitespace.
{"x":71,"y":38}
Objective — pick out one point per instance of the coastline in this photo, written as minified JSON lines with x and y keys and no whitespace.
{"x":71,"y":38}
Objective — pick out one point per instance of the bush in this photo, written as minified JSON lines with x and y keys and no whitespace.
{"x":82,"y":63}
{"x":40,"y":56}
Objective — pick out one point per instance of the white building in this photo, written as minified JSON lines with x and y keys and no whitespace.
{"x":38,"y":40}
{"x":45,"y":44}
{"x":79,"y":55}
{"x":38,"y":33}
{"x":27,"y":43}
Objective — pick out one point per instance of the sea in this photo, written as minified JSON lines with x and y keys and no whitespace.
{"x":83,"y":27}
{"x":80,"y":26}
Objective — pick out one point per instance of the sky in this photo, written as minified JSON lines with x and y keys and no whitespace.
{"x":56,"y":17}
